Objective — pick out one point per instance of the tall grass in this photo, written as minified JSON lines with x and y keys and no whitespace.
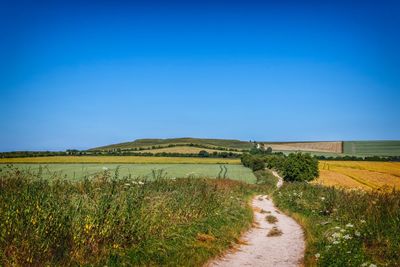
{"x":345,"y":228}
{"x":109,"y":221}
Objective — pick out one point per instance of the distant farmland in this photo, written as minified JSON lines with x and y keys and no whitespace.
{"x":372,"y":148}
{"x":143,"y":171}
{"x":120,"y":159}
{"x":327,"y":147}
{"x":360,"y":174}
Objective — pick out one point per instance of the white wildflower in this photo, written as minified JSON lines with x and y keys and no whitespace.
{"x":357,"y":233}
{"x":335,"y":242}
{"x":322,"y":198}
{"x":349,"y":225}
{"x":105,"y":168}
{"x":337,"y":227}
{"x":141,"y":183}
{"x":317,"y":255}
{"x":347,"y":237}
{"x":336,"y":235}
{"x":372,"y":265}
{"x":342,"y":230}
{"x":362,"y":221}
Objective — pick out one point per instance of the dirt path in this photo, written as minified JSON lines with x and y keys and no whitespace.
{"x":280,"y":180}
{"x":260,"y":249}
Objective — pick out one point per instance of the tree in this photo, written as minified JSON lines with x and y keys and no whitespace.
{"x":203,"y":154}
{"x":300,"y":167}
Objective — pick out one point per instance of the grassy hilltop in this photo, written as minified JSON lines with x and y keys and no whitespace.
{"x":148,"y":143}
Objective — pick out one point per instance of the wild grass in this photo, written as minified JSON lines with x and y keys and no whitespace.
{"x":271,"y":219}
{"x":120,"y":159}
{"x":113,"y":222}
{"x":345,"y":228}
{"x":275,"y":231}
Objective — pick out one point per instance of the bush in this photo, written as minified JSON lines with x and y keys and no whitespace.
{"x":300,"y":167}
{"x":253,"y":162}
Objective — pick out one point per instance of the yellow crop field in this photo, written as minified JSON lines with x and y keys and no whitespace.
{"x":119,"y":159}
{"x":360,"y":174}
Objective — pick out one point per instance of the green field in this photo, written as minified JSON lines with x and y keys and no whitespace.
{"x":78,"y":171}
{"x":372,"y":148}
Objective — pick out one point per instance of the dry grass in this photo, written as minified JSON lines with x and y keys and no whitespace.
{"x":356,"y":174}
{"x":271,"y":219}
{"x":274,"y":232}
{"x":118,"y":159}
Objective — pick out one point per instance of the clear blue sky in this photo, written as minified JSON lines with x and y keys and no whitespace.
{"x":76,"y":74}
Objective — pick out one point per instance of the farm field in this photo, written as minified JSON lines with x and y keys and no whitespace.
{"x":120,"y":159}
{"x":372,"y":148}
{"x":182,"y":149}
{"x":78,"y":171}
{"x":327,"y":147}
{"x":359,"y":174}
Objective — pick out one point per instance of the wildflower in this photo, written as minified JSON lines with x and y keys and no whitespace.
{"x":317,"y":255}
{"x":335,"y":242}
{"x":322,"y":198}
{"x":364,"y":264}
{"x":372,"y":265}
{"x":357,"y":233}
{"x":141,"y":183}
{"x":362,"y":221}
{"x":349,"y":225}
{"x":336,"y":235}
{"x":127,"y":184}
{"x":105,"y":168}
{"x":337,"y":227}
{"x":342,"y":230}
{"x":347,"y":237}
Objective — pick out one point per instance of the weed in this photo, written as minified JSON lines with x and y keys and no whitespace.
{"x":271,"y":219}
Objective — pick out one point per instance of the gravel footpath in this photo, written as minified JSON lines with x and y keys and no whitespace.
{"x":261,"y":248}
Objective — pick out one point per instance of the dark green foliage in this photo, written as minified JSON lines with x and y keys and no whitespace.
{"x":203,"y":154}
{"x":300,"y":167}
{"x":253,"y":162}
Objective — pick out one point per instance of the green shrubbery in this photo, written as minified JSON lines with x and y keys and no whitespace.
{"x":110,"y":221}
{"x":253,"y":162}
{"x":295,"y":167}
{"x":299,"y":167}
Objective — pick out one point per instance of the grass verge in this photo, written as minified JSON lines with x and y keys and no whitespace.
{"x":345,"y":228}
{"x":113,"y":222}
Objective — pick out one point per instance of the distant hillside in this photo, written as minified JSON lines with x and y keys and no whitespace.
{"x":149,"y":143}
{"x":356,"y":148}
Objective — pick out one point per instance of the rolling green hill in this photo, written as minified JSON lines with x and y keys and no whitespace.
{"x":148,"y":143}
{"x":355,"y":148}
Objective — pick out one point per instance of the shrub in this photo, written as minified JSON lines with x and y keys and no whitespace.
{"x":300,"y":167}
